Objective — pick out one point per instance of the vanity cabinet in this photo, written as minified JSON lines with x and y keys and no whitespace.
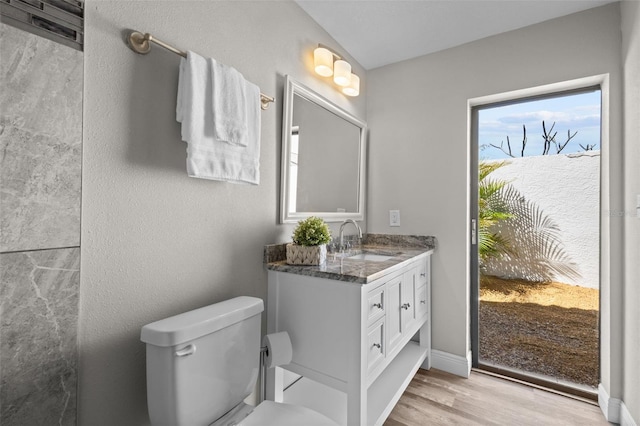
{"x":364,"y":340}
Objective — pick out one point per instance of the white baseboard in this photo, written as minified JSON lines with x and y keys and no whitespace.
{"x":610,"y":407}
{"x":454,"y":364}
{"x":625,"y":416}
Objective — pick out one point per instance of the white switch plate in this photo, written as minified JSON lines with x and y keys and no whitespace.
{"x":394,"y":217}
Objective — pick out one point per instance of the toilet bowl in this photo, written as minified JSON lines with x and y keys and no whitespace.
{"x":202,"y":364}
{"x":270,"y":413}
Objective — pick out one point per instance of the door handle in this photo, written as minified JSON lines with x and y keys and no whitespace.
{"x":473,"y":232}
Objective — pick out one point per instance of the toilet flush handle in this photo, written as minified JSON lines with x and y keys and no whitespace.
{"x":186,"y":351}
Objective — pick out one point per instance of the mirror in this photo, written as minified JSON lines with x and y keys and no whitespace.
{"x":323,"y":159}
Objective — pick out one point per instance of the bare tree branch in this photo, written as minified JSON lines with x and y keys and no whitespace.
{"x":501,"y":148}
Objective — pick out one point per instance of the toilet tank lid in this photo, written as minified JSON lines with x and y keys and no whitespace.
{"x":200,"y":322}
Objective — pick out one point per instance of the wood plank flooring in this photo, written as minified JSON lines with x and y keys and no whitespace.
{"x":438,"y":398}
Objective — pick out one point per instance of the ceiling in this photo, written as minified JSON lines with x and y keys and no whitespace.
{"x":381,"y":32}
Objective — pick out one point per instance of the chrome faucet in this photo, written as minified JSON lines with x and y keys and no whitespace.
{"x":342,"y":231}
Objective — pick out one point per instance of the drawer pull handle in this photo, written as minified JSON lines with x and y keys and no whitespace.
{"x":377,"y":345}
{"x":377,"y":305}
{"x":423,"y":274}
{"x":405,"y":306}
{"x":423,"y":302}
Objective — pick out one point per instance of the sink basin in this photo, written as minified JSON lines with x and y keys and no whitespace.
{"x":371,"y":257}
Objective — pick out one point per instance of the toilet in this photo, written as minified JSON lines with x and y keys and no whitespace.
{"x":202,"y":364}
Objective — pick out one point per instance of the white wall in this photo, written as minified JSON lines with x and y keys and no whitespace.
{"x":566,"y":188}
{"x":418,"y":117}
{"x":154,"y":241}
{"x":630,"y":11}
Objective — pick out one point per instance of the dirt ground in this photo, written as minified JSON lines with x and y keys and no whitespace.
{"x":549,"y":329}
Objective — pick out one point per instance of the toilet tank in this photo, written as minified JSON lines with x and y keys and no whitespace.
{"x":202,"y":363}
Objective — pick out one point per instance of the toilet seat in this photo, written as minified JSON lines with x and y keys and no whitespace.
{"x":270,"y":413}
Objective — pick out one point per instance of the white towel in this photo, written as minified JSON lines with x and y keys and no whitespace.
{"x":229,"y":101}
{"x":207,"y":156}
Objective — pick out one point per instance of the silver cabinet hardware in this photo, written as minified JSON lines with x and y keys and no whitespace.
{"x":377,"y":345}
{"x":377,"y":305}
{"x":405,"y":306}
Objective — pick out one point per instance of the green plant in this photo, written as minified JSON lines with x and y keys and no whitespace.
{"x":312,"y":231}
{"x":491,"y":210}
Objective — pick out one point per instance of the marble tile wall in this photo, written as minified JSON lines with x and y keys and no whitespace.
{"x":40,"y":142}
{"x":40,"y":165}
{"x":38,"y":355}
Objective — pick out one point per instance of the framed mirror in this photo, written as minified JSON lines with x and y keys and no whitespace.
{"x":323,"y":158}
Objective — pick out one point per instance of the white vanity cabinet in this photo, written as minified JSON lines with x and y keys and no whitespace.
{"x":365,"y":340}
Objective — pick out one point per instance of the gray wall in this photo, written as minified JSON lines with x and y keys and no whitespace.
{"x":41,"y":141}
{"x":418,"y":115}
{"x":630,"y":11}
{"x":154,"y":241}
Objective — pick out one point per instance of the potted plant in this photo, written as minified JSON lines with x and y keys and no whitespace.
{"x":309,"y":245}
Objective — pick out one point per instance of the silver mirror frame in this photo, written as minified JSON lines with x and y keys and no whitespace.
{"x":293,"y":87}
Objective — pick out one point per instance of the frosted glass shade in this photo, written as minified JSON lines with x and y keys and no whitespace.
{"x":353,"y":89}
{"x":342,"y":73}
{"x":323,"y":62}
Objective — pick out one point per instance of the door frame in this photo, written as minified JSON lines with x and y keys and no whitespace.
{"x":608,"y":347}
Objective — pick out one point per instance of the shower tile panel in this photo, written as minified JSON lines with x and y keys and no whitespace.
{"x":40,"y":191}
{"x":41,"y":84}
{"x":39,"y":303}
{"x":40,"y":142}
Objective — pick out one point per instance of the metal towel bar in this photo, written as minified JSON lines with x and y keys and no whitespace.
{"x":141,"y":43}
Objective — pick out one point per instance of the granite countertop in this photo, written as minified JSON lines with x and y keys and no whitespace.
{"x":401,"y":248}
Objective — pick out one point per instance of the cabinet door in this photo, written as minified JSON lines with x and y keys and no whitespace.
{"x":394,"y":312}
{"x":401,"y":307}
{"x":407,"y":298}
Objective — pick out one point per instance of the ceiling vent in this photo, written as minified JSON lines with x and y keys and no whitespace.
{"x":61,"y":21}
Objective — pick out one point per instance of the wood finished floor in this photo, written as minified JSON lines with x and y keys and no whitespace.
{"x":438,"y":398}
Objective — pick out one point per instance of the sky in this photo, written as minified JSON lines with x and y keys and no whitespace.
{"x":578,"y":112}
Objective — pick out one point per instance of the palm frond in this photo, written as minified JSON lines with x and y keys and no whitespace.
{"x":536,"y":241}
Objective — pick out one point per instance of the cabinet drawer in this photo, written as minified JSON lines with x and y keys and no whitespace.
{"x":422,"y":276}
{"x":376,"y":345}
{"x":375,"y":303}
{"x":422,"y":301}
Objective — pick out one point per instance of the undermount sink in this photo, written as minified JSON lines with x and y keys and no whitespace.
{"x":371,"y":257}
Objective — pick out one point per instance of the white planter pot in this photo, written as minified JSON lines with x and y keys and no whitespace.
{"x":306,"y":255}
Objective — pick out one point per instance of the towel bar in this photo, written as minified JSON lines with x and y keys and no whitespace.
{"x":141,"y":43}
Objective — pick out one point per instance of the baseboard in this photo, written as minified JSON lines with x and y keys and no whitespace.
{"x":625,"y":416}
{"x":454,"y":364}
{"x":610,"y":407}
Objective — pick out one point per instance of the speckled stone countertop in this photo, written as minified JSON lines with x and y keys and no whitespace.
{"x":402,"y":248}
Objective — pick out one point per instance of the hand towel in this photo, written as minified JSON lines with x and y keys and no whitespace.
{"x":207,"y":156}
{"x":229,"y":103}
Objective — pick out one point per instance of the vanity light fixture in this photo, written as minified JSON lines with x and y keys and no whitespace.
{"x":327,"y":63}
{"x":353,"y":89}
{"x":341,"y":73}
{"x":323,"y":61}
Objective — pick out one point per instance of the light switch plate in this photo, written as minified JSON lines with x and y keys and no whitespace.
{"x":394,"y":217}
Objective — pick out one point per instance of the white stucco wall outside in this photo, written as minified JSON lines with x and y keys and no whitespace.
{"x":566,"y":187}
